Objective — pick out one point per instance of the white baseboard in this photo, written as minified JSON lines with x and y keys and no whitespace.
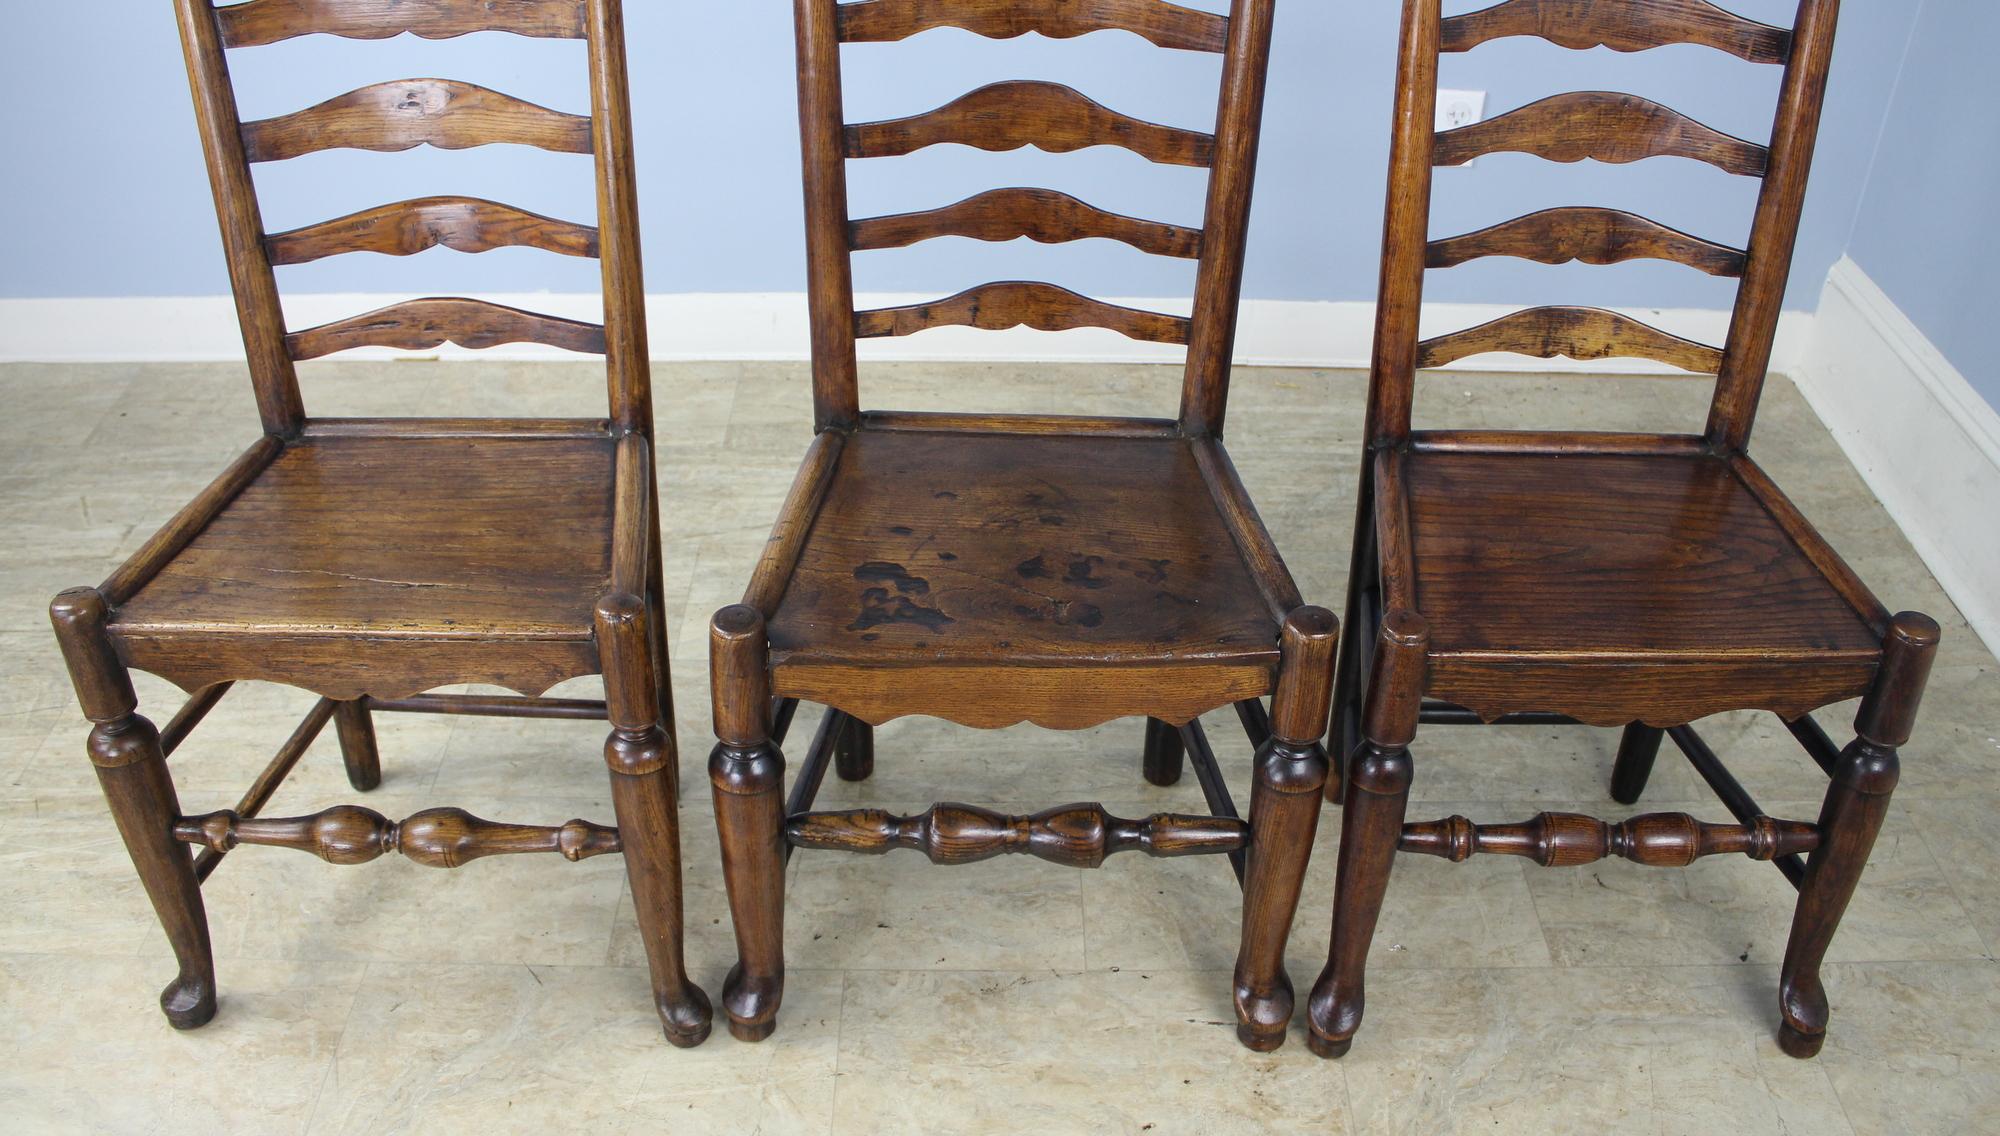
{"x":772,"y":325}
{"x":1923,"y":439}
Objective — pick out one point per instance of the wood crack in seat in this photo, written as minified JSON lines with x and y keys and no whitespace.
{"x":370,"y":560}
{"x":996,"y":569}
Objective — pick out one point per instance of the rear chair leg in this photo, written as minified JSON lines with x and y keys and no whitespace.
{"x":357,"y":744}
{"x":642,"y":756}
{"x":748,"y":775}
{"x":1163,"y":756}
{"x":1849,"y":820}
{"x":1377,"y":795}
{"x":1284,"y":816}
{"x":1637,"y":749}
{"x":854,"y":752}
{"x":133,"y":772}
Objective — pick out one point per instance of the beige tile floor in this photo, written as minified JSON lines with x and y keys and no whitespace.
{"x":511,"y":996}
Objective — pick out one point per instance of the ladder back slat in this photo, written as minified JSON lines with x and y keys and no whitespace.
{"x":413,"y":112}
{"x":464,"y":224}
{"x":261,"y":22}
{"x":1043,"y":215}
{"x":1621,"y":25}
{"x":1589,"y":234}
{"x":1601,"y":125}
{"x":1017,"y":113}
{"x":1162,"y":24}
{"x":1020,"y":303}
{"x":1575,"y":333}
{"x":419,"y":325}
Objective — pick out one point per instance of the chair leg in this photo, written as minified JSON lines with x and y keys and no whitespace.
{"x":125,"y":748}
{"x":357,"y":744}
{"x":642,"y":757}
{"x":1164,"y":754}
{"x":748,"y":775}
{"x":649,"y":827}
{"x":1377,"y":793}
{"x":1363,"y":567}
{"x":1284,"y":816}
{"x":854,"y":752}
{"x":1638,"y":747}
{"x":1849,"y":820}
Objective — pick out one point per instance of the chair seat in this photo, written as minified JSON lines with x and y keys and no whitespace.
{"x":937,"y":558}
{"x":486,"y":554}
{"x":1584,"y":578}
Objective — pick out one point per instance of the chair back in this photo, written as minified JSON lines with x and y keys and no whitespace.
{"x":1606,"y":127}
{"x":1007,"y":116}
{"x":401,"y":115}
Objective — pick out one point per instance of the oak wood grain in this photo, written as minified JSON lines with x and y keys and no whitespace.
{"x":1020,"y":303}
{"x":407,"y":113}
{"x":1604,"y":126}
{"x":418,"y":325}
{"x":485,"y":537}
{"x":404,"y":228}
{"x":262,"y":22}
{"x":1575,"y":333}
{"x":435,"y":838}
{"x":1043,"y":215}
{"x":1076,"y":836}
{"x":1621,"y":25}
{"x":1163,"y":24}
{"x":1589,"y":234}
{"x":1569,"y":840}
{"x":943,"y":548}
{"x":1021,"y":112}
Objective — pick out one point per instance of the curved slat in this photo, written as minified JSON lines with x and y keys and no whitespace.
{"x":1020,"y":303}
{"x":1039,"y":214}
{"x":270,"y":21}
{"x":1621,"y":25}
{"x":466,"y":224}
{"x":422,"y":324}
{"x":1588,"y":234}
{"x":1163,"y":24}
{"x":1575,"y":333}
{"x":1603,"y":125}
{"x":1017,"y":113}
{"x":412,"y":112}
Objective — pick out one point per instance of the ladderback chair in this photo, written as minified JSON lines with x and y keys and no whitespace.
{"x":1634,"y":580}
{"x":995,"y":569}
{"x":371,"y":560}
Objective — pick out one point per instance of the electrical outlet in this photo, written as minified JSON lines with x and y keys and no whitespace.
{"x":1459,"y":108}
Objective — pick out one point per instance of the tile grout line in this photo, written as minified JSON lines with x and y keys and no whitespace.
{"x":839,"y":1041}
{"x":1937,"y":862}
{"x":333,"y":1059}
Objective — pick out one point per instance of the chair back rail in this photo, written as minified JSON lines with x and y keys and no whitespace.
{"x":1609,"y":127}
{"x":1007,"y":116}
{"x":262,"y":22}
{"x":401,"y":115}
{"x":1162,"y":24}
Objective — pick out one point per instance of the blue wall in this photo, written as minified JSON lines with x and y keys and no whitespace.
{"x":107,"y":196}
{"x":1925,"y":231}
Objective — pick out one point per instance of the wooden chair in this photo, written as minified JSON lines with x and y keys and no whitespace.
{"x":991,"y":570}
{"x":369,"y":560}
{"x":1642,"y":581}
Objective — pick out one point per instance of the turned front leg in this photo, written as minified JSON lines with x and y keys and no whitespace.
{"x":642,"y":756}
{"x":1377,"y":793}
{"x":132,"y":770}
{"x":1849,"y":820}
{"x":748,"y":775}
{"x":1284,"y":816}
